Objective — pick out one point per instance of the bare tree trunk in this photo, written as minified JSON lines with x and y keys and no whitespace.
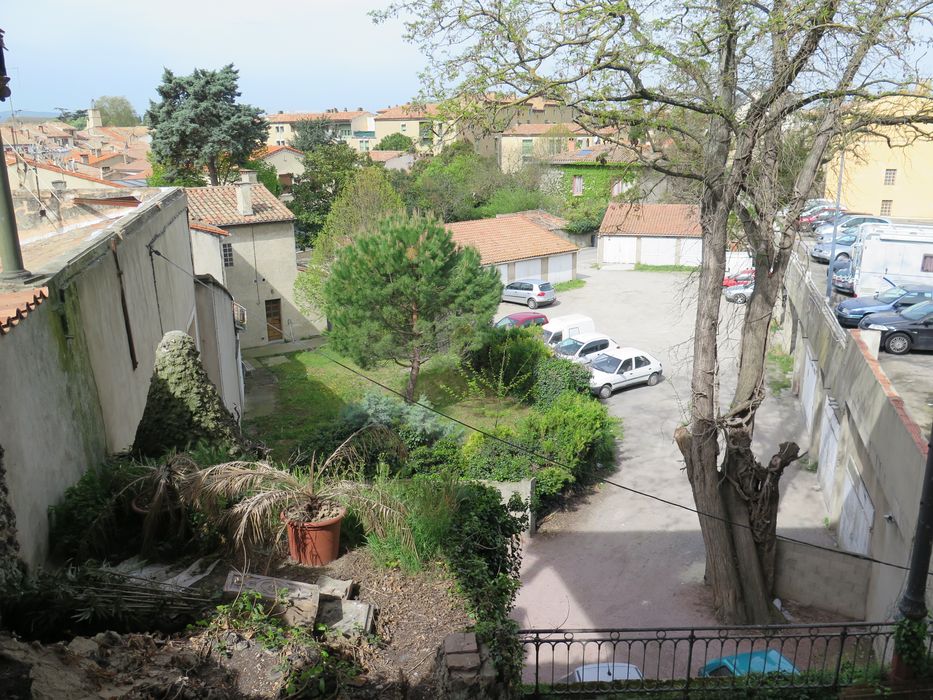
{"x":413,"y":375}
{"x":212,"y":171}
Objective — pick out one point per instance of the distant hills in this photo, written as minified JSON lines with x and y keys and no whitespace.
{"x":27,"y":115}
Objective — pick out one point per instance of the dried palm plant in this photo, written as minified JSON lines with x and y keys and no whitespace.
{"x":251,"y":498}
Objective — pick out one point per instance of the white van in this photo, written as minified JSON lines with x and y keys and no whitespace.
{"x":563,"y":327}
{"x":603,"y":673}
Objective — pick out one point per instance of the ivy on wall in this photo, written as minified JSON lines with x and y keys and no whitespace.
{"x":585,"y":211}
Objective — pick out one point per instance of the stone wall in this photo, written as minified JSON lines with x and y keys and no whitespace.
{"x":829,"y":581}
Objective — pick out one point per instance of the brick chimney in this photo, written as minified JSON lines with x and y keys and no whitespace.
{"x":244,"y":199}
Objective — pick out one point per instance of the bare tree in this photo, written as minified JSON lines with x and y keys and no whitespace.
{"x":714,"y":86}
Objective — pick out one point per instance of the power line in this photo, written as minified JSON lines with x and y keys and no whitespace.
{"x":644,"y":494}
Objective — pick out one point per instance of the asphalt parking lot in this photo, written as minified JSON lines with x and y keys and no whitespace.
{"x":617,"y":559}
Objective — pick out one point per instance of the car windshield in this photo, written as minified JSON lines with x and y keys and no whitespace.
{"x":505,"y":322}
{"x":545,"y":287}
{"x":547,"y":335}
{"x":845,"y":240}
{"x":569,"y":346}
{"x":891,"y":295}
{"x":606,"y":363}
{"x":918,"y":311}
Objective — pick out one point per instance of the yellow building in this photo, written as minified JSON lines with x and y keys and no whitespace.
{"x":523,"y":144}
{"x":354,"y":128}
{"x":421,"y":124}
{"x":887,"y":173}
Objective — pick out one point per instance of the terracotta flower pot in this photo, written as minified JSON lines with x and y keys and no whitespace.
{"x":314,"y":543}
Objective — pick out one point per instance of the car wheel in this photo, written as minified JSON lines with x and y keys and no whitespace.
{"x":739,"y":298}
{"x":898,"y":344}
{"x":605,"y":391}
{"x":654,"y":378}
{"x":532,"y":303}
{"x":843,"y":256}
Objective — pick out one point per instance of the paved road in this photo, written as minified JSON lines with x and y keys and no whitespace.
{"x":618,"y":559}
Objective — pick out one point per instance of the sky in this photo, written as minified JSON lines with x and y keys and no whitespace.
{"x":293,"y":56}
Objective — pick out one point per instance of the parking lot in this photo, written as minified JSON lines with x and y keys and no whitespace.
{"x":620,"y":559}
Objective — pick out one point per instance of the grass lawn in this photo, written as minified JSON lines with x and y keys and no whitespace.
{"x":568,"y":285}
{"x":312,"y":389}
{"x":641,"y":267}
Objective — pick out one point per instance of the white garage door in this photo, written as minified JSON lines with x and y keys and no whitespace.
{"x":528,"y":268}
{"x":858,"y":513}
{"x":560,"y":268}
{"x":829,"y":452}
{"x":808,"y":389}
{"x":618,"y":250}
{"x":657,"y":251}
{"x":503,"y":273}
{"x":691,"y":251}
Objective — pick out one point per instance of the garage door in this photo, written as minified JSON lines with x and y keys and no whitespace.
{"x":658,"y":251}
{"x":528,"y":268}
{"x":618,"y":250}
{"x":691,"y":251}
{"x":829,"y":452}
{"x":858,"y":513}
{"x":560,"y":268}
{"x":808,"y":389}
{"x":503,"y":273}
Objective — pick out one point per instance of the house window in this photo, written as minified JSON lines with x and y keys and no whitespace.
{"x":890,"y":175}
{"x":886,"y":207}
{"x":227,"y":251}
{"x":577,"y":185}
{"x":364,"y":146}
{"x":279,"y":129}
{"x":528,"y":146}
{"x":279,"y":143}
{"x":927,"y":265}
{"x":404,"y":126}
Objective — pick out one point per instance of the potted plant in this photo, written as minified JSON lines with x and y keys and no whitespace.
{"x":259,"y":501}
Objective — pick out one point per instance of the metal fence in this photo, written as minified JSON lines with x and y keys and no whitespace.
{"x":704,"y":662}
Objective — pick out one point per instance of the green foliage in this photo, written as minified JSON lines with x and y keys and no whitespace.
{"x":507,"y":360}
{"x":365,"y":200}
{"x":116,"y":111}
{"x":173,"y":176}
{"x":455,"y":183}
{"x":416,"y":425}
{"x":395,"y":142}
{"x":555,"y":375}
{"x":406,"y":293}
{"x":642,"y":267}
{"x":197,"y":122}
{"x":585,"y":212}
{"x":911,"y":643}
{"x":488,"y":458}
{"x":569,"y":285}
{"x":75,"y":117}
{"x":780,"y":366}
{"x":310,"y":134}
{"x":512,"y":199}
{"x":328,"y":168}
{"x":443,"y":457}
{"x":267,"y":175}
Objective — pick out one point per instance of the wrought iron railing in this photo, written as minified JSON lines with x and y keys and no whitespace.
{"x":700,"y":662}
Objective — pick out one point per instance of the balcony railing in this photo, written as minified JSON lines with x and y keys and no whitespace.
{"x":679,"y":663}
{"x":239,"y":315}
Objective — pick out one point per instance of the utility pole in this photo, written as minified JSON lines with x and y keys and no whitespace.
{"x":832,"y":246}
{"x":11,"y":256}
{"x":913,"y":605}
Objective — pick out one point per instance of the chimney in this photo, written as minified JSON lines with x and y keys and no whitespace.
{"x":244,"y":199}
{"x":93,"y":119}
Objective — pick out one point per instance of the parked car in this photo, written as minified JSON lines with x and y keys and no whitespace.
{"x":770,"y":661}
{"x":532,"y":293}
{"x":847,"y":224}
{"x":739,"y":295}
{"x":522,"y":319}
{"x":584,"y":347}
{"x":905,"y":330}
{"x":851,"y":311}
{"x":563,"y":327}
{"x":843,"y":277}
{"x":739,"y":279}
{"x":623,"y":367}
{"x":814,"y":217}
{"x":844,"y":244}
{"x":602,"y":673}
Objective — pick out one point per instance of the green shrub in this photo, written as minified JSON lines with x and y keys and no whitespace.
{"x":510,"y":200}
{"x":443,"y":457}
{"x":506,"y":361}
{"x":329,"y":435}
{"x":555,"y":375}
{"x":416,"y":425}
{"x":487,"y":458}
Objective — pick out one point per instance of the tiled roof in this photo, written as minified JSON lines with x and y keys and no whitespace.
{"x":680,"y":220}
{"x":104,"y":157}
{"x":508,"y":238}
{"x":544,"y":129}
{"x":207,"y":228}
{"x":10,"y":159}
{"x":383,"y":156}
{"x":304,"y":116}
{"x":16,"y":306}
{"x":405,"y":112}
{"x":272,"y":150}
{"x":542,"y":218}
{"x":600,"y":153}
{"x":217,"y":206}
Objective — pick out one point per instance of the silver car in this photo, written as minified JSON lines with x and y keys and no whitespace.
{"x":844,"y":244}
{"x":623,"y":367}
{"x":532,"y":293}
{"x":848,"y":224}
{"x":739,"y":295}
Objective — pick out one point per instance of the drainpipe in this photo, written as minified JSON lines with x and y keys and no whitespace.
{"x":11,"y":256}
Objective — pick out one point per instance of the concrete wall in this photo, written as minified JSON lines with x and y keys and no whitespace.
{"x":218,"y":342}
{"x":264,"y":267}
{"x":832,"y":582}
{"x":207,"y":254}
{"x":285,"y":161}
{"x":874,"y":439}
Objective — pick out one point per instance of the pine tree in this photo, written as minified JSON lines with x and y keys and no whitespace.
{"x":406,"y":293}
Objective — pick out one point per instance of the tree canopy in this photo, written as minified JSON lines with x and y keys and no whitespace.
{"x":395,"y":142}
{"x":364,"y":201}
{"x":405,"y":293}
{"x":312,"y":133}
{"x":116,"y":111}
{"x":199,"y":124}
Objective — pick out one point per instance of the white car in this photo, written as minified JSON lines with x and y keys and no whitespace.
{"x":623,"y":367}
{"x":584,"y":347}
{"x":603,"y":673}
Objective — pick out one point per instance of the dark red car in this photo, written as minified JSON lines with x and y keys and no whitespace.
{"x":522,"y":319}
{"x":739,"y":279}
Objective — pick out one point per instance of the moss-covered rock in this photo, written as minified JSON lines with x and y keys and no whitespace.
{"x":183,"y":406}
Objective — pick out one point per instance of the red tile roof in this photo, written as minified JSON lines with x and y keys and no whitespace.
{"x":217,"y":206}
{"x":10,"y":159}
{"x":383,"y":156}
{"x":207,"y":228}
{"x":16,"y":306}
{"x":542,"y":218}
{"x":680,"y":220}
{"x":104,"y":157}
{"x":407,"y":112}
{"x":304,"y":116}
{"x":272,"y":150}
{"x":508,"y":238}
